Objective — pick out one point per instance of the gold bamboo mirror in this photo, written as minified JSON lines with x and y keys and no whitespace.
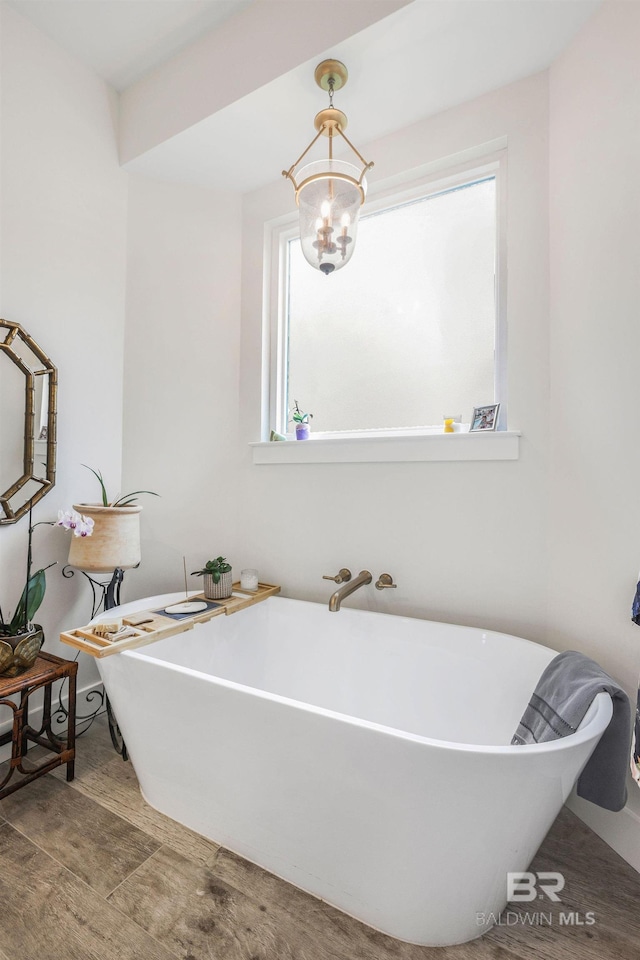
{"x":28,"y":388}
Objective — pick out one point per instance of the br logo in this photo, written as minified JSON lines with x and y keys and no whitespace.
{"x":522,"y":887}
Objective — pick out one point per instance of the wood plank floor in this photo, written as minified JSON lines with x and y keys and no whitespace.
{"x":88,"y":871}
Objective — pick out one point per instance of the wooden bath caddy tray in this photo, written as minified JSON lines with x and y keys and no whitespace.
{"x":159,"y":626}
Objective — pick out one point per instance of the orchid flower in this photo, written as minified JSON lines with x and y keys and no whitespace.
{"x":84,"y":528}
{"x":72,"y":520}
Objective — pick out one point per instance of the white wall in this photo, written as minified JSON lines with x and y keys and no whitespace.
{"x":181,"y":377}
{"x":595,"y":346}
{"x":62,"y":250}
{"x":68,"y":265}
{"x":466,"y":542}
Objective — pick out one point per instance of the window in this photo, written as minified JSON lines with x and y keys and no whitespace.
{"x":408,"y":332}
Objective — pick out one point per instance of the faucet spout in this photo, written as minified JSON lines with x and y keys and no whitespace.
{"x":361,"y":580}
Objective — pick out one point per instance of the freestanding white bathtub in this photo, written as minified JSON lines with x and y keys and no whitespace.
{"x":363,"y":757}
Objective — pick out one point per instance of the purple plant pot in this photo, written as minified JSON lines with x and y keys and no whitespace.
{"x":302,"y":431}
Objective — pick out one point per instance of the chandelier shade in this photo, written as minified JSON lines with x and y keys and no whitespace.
{"x":329,"y":199}
{"x":329,"y":192}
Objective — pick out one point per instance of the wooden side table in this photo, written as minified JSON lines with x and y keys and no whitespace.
{"x":42,"y":674}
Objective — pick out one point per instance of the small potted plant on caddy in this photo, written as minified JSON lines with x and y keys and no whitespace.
{"x":217,"y":579}
{"x":301,"y":421}
{"x":21,"y":638}
{"x":116,"y":534}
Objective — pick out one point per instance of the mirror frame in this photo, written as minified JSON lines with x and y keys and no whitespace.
{"x":15,"y":334}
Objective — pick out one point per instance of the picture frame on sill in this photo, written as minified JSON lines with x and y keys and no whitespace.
{"x":485,"y":417}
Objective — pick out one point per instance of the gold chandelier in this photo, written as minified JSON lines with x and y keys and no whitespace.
{"x":329,"y":192}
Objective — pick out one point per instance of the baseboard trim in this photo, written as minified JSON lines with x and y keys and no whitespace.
{"x":620,"y":830}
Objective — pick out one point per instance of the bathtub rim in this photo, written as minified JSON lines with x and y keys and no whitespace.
{"x":593,"y":725}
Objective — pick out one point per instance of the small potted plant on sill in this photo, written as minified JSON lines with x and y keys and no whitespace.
{"x":217,"y":579}
{"x":301,"y":421}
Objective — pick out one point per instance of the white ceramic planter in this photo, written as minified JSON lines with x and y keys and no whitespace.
{"x":220,"y":590}
{"x":115,"y":541}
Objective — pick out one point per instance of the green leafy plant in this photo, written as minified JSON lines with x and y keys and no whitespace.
{"x":36,"y":584}
{"x":32,"y":594}
{"x":126,"y":500}
{"x":298,"y":416}
{"x":215,"y":567}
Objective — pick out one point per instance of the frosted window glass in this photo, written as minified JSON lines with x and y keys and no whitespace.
{"x":406,"y":332}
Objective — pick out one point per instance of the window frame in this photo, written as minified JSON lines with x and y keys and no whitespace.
{"x":426,"y":182}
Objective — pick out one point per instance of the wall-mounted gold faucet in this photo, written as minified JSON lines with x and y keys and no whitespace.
{"x":363,"y":578}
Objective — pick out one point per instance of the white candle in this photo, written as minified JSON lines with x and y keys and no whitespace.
{"x":249,"y":579}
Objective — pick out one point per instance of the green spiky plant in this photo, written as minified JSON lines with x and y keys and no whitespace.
{"x":126,"y":500}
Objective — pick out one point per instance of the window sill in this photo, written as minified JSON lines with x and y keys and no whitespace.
{"x":502,"y":445}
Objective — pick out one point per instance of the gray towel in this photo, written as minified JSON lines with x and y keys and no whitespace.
{"x":559,"y":702}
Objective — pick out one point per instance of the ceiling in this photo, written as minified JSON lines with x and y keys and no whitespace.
{"x":122,"y":40}
{"x":424,"y":58}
